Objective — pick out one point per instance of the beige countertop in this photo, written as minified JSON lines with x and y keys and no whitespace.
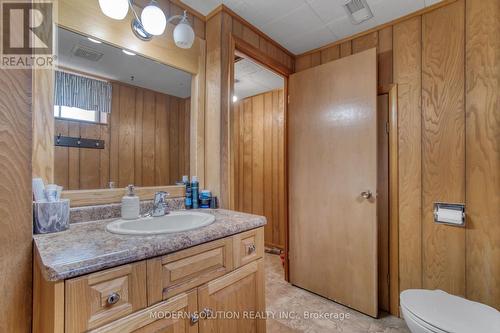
{"x":87,"y":247}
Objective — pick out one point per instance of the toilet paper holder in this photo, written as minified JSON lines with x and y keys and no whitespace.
{"x":452,"y":214}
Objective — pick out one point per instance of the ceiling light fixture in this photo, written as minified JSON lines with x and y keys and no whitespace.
{"x":235,"y":98}
{"x":128,"y":53}
{"x":152,"y":21}
{"x":116,"y":9}
{"x":94,"y":40}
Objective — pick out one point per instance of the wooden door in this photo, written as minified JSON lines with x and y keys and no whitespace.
{"x":332,"y":147}
{"x":234,"y":302}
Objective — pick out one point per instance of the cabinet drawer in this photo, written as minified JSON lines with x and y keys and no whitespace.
{"x":173,"y":315}
{"x":175,"y":273}
{"x":248,"y":246}
{"x":97,"y":299}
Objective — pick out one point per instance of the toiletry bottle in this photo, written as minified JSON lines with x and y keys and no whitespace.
{"x":130,"y":205}
{"x":194,"y":191}
{"x":205,"y":197}
{"x":188,"y":201}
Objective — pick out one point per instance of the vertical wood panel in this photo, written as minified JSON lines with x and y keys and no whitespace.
{"x":139,"y":108}
{"x":483,"y":151}
{"x":331,"y":53}
{"x":74,"y":159}
{"x":302,"y":63}
{"x":383,"y":200}
{"x":161,"y":140}
{"x":443,"y":145}
{"x":268,"y":165}
{"x":257,"y":155}
{"x":279,"y":228}
{"x":365,"y":42}
{"x":247,"y":156}
{"x":181,"y":161}
{"x":114,"y":128}
{"x":104,"y":157}
{"x":407,"y":74}
{"x":173,"y":141}
{"x":148,"y":139}
{"x":61,"y":156}
{"x":187,"y":136}
{"x":384,"y":51}
{"x":345,"y":49}
{"x":15,"y":200}
{"x":89,"y":158}
{"x":126,"y":136}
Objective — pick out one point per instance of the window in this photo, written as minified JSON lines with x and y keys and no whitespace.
{"x":67,"y":112}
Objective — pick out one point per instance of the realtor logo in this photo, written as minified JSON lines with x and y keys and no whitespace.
{"x":27,"y":34}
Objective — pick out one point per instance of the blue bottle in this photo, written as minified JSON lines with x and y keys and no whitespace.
{"x":188,"y":201}
{"x":194,"y":191}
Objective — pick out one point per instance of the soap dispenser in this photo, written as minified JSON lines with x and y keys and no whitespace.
{"x":130,"y":205}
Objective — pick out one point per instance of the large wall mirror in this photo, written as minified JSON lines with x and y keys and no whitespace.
{"x":119,"y":118}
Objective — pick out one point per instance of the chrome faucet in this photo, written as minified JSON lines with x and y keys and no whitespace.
{"x":159,"y":204}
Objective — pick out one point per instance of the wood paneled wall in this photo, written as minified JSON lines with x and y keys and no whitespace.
{"x":147,"y":142}
{"x":446,"y":64}
{"x":259,"y":170}
{"x":482,"y":146}
{"x":15,"y":200}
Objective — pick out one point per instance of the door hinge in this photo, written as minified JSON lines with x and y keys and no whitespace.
{"x":387,"y":127}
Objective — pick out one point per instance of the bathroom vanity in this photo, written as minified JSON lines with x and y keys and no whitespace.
{"x":210,"y":279}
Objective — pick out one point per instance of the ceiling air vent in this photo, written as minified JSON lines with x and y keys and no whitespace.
{"x":87,"y":53}
{"x":358,"y":11}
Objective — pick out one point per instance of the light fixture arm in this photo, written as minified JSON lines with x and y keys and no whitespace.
{"x":131,"y":5}
{"x":183,"y":17}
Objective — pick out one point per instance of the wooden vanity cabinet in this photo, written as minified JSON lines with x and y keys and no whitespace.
{"x":213,"y":287}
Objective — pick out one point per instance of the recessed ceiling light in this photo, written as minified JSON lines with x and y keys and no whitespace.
{"x":94,"y":40}
{"x":235,"y":98}
{"x":128,"y":53}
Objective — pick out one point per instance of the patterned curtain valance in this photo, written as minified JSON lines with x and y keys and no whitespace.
{"x":82,"y":92}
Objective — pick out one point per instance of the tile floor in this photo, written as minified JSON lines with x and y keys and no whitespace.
{"x":282,"y":298}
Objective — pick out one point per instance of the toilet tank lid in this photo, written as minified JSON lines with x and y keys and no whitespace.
{"x":450,"y":313}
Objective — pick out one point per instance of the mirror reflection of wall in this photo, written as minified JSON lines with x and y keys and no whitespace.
{"x":138,"y":108}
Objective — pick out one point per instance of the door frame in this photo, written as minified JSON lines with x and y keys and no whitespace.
{"x":392,"y":91}
{"x":237,"y":44}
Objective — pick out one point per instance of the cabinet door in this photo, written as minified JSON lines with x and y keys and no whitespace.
{"x":178,"y":314}
{"x":234,"y":302}
{"x":99,"y":298}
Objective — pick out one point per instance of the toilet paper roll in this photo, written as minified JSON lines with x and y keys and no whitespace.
{"x":449,"y":216}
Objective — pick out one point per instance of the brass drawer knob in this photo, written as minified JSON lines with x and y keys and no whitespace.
{"x":251,"y":249}
{"x":194,"y":318}
{"x":113,"y":298}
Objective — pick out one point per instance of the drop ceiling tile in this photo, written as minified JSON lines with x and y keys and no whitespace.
{"x":262,"y":12}
{"x":388,"y":10}
{"x":300,"y":21}
{"x":328,"y":10}
{"x":310,"y":40}
{"x":203,"y":6}
{"x":343,"y":27}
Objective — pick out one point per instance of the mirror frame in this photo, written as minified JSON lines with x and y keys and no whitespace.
{"x":86,"y":18}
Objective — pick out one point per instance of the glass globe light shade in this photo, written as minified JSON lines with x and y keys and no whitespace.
{"x":115,"y":9}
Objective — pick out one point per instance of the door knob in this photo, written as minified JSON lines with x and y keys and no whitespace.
{"x":366,"y":194}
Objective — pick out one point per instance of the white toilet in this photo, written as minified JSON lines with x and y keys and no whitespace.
{"x":435,"y":311}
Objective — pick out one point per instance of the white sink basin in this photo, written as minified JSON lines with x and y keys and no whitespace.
{"x":170,"y":223}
